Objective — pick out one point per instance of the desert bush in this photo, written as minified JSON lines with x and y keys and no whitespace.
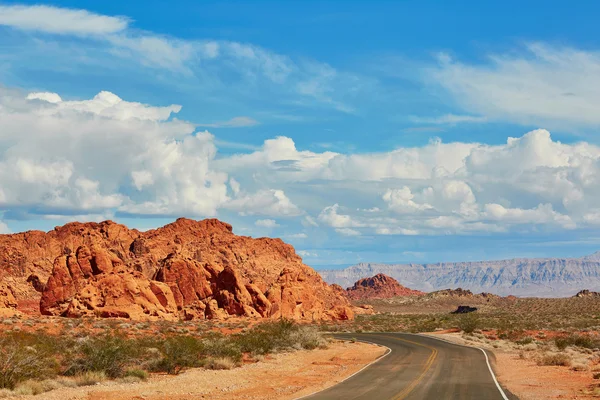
{"x":32,"y":387}
{"x":19,"y":363}
{"x":583,"y":341}
{"x":222,"y":346}
{"x":177,"y":353}
{"x":580,"y":367}
{"x":137,"y":373}
{"x":90,"y":378}
{"x":524,"y":341}
{"x":108,"y":353}
{"x":555,"y":359}
{"x":279,"y":335}
{"x":468,"y":323}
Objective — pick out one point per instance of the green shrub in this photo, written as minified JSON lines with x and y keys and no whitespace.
{"x":584,"y":341}
{"x":279,"y":335}
{"x":177,"y":353}
{"x":19,"y":363}
{"x":137,"y":373}
{"x":468,"y":323}
{"x":525,"y":340}
{"x":108,"y":353}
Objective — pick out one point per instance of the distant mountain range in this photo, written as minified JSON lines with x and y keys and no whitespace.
{"x":539,"y":277}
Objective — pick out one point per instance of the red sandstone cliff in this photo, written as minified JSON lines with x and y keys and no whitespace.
{"x":187,"y":269}
{"x":379,"y":286}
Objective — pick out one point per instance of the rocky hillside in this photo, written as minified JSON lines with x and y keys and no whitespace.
{"x":547,"y":277}
{"x":379,"y":286}
{"x":187,"y":269}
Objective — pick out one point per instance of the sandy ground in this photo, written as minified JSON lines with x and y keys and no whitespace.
{"x":527,"y":380}
{"x":282,"y":377}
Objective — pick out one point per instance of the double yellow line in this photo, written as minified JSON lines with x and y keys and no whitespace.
{"x":402,"y":395}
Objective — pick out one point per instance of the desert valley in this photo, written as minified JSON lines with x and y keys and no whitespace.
{"x":299,"y":200}
{"x":94,"y":309}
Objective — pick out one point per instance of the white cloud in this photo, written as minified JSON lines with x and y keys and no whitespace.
{"x":542,"y":214}
{"x":236,"y":122}
{"x":60,"y":20}
{"x":549,"y":85}
{"x":107,"y":155}
{"x":141,"y":179}
{"x":4,"y":228}
{"x":305,"y":253}
{"x":297,"y":236}
{"x":309,"y":221}
{"x":266,"y":223}
{"x":347,"y":232}
{"x":70,"y":39}
{"x":401,"y":201}
{"x":45,"y":96}
{"x":270,"y":202}
{"x":448,"y":119}
{"x":332,"y":218}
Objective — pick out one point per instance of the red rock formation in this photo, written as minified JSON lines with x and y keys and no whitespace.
{"x":379,"y":286}
{"x":187,"y":269}
{"x":8,"y":303}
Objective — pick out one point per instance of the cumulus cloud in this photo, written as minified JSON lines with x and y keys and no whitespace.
{"x":555,"y":86}
{"x":449,"y":188}
{"x":110,"y":155}
{"x":401,"y":201}
{"x":264,"y":202}
{"x":266,"y":223}
{"x":59,"y":20}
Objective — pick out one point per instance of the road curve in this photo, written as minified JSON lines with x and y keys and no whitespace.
{"x":418,"y":368}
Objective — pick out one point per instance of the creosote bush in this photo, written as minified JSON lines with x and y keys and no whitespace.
{"x":560,"y":359}
{"x":468,"y":323}
{"x":29,"y":361}
{"x":109,"y":354}
{"x":20,"y":362}
{"x":583,"y":341}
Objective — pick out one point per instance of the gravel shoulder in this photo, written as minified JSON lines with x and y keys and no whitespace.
{"x":282,"y":377}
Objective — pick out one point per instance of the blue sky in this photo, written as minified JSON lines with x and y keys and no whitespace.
{"x":376,"y":131}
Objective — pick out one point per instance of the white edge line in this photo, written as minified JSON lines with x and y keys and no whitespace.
{"x":360,"y":370}
{"x":487,"y":360}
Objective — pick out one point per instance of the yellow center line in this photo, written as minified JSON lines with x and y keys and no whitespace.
{"x":402,"y":395}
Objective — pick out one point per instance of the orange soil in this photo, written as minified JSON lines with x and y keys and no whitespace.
{"x":529,"y":381}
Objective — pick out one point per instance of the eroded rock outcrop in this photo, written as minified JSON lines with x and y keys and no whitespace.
{"x":379,"y":286}
{"x":187,"y":269}
{"x":8,"y":303}
{"x":587,"y":293}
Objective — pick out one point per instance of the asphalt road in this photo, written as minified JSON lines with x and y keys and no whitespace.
{"x":419,"y":368}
